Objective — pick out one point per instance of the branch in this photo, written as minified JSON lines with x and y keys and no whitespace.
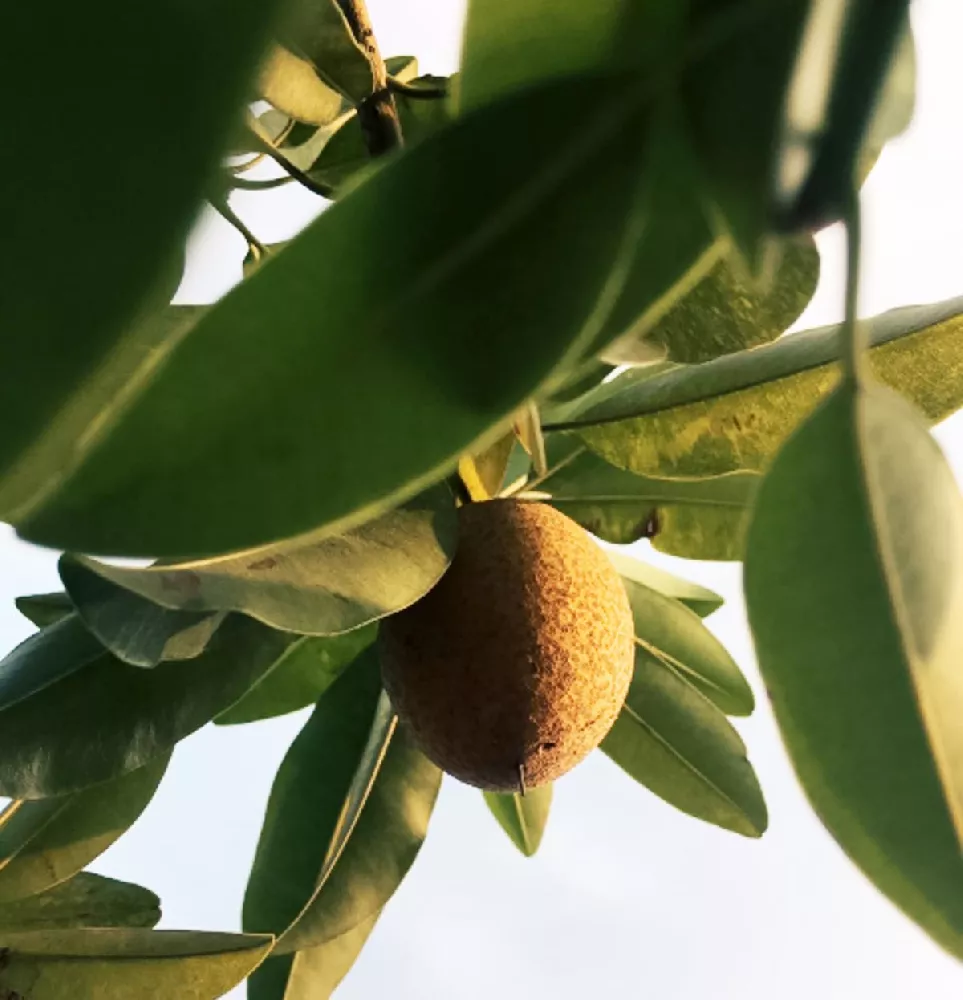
{"x":377,"y":114}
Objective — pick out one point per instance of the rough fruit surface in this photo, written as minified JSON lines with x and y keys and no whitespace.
{"x":520,"y":656}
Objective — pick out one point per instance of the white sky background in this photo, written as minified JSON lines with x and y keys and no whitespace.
{"x":626,"y":894}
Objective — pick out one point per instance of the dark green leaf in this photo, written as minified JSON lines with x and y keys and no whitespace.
{"x":317,"y":31}
{"x":897,"y":101}
{"x":738,"y":88}
{"x":725,"y":312}
{"x":699,"y":599}
{"x":857,"y":627}
{"x":126,"y":964}
{"x":678,"y":249}
{"x":294,"y":87}
{"x":673,"y":740}
{"x":46,"y":841}
{"x":132,"y":360}
{"x":43,"y":659}
{"x":668,"y":630}
{"x":347,"y":815}
{"x":830,"y":105}
{"x":108,"y":718}
{"x":172,"y":76}
{"x":45,"y":609}
{"x":135,"y":629}
{"x":694,"y":518}
{"x":522,"y":817}
{"x":509,"y":47}
{"x":86,"y":900}
{"x":734,"y":412}
{"x":314,"y":588}
{"x":451,"y":225}
{"x":305,"y":672}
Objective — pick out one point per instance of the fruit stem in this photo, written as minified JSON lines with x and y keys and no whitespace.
{"x":377,"y":114}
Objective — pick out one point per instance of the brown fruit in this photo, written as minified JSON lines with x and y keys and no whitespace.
{"x":518,"y":661}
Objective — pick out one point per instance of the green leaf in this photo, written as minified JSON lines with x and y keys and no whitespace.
{"x":347,"y":815}
{"x":125,"y":196}
{"x":483,"y":475}
{"x":678,"y":250}
{"x":726,"y":312}
{"x":46,"y":841}
{"x":582,"y":379}
{"x":673,"y":633}
{"x":738,"y":88}
{"x":94,"y":724}
{"x":311,"y":974}
{"x":895,"y":105}
{"x":293,"y":86}
{"x":830,"y":103}
{"x":45,"y":609}
{"x":694,"y":518}
{"x":43,"y":659}
{"x":699,"y":599}
{"x":317,"y":31}
{"x":126,"y":964}
{"x":86,"y":900}
{"x":522,"y":817}
{"x":435,"y":230}
{"x":857,"y":628}
{"x":134,"y":628}
{"x":672,"y":739}
{"x":733,"y":413}
{"x":508,"y":47}
{"x":317,"y":588}
{"x":302,"y":676}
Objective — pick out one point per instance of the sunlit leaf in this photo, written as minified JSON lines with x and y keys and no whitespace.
{"x":522,"y":817}
{"x":859,"y":636}
{"x":693,"y":518}
{"x":126,"y":964}
{"x":46,"y":841}
{"x":733,"y":413}
{"x":86,"y":900}
{"x":725,"y":313}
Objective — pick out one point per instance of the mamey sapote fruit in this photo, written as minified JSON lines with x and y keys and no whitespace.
{"x":516,"y":664}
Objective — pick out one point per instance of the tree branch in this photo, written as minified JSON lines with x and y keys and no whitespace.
{"x":377,"y":114}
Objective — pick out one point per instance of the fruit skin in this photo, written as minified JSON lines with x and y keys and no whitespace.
{"x":522,"y":654}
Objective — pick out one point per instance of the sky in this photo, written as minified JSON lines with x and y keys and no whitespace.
{"x":626,"y":894}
